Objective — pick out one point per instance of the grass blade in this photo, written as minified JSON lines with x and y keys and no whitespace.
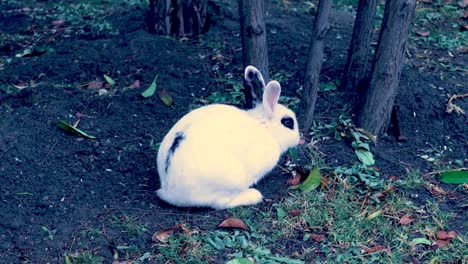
{"x":109,"y":80}
{"x":67,"y":127}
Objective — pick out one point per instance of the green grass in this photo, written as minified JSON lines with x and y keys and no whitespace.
{"x":85,"y":257}
{"x":129,"y":225}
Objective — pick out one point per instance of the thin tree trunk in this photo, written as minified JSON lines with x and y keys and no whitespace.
{"x":254,"y":35}
{"x":182,"y":18}
{"x":314,"y":64}
{"x":358,"y":54}
{"x":385,"y":75}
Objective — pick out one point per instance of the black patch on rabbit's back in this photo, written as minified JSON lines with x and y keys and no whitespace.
{"x":179,"y":136}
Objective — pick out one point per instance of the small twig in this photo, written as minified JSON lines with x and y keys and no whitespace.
{"x":332,"y":191}
{"x":451,"y":106}
{"x":48,"y":153}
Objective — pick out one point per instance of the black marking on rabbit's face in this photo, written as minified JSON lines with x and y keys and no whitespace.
{"x":288,"y":122}
{"x":179,"y":136}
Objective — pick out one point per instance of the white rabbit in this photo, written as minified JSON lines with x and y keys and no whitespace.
{"x":214,"y":154}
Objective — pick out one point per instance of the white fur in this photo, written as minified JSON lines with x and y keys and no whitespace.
{"x":224,"y":151}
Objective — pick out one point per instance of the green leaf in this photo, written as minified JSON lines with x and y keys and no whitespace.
{"x":151,"y":89}
{"x":454,"y":177}
{"x":240,"y":261}
{"x":420,"y":241}
{"x":65,"y":126}
{"x":365,"y":157}
{"x":109,"y":80}
{"x":281,"y":213}
{"x":293,"y":154}
{"x":325,"y":87}
{"x":312,"y":182}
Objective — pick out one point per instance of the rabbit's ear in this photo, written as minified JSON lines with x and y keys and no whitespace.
{"x":254,"y":85}
{"x":271,"y":95}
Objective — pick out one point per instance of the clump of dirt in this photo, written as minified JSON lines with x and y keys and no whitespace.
{"x":57,"y":187}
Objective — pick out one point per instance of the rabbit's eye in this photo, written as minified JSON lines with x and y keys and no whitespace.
{"x":288,"y":122}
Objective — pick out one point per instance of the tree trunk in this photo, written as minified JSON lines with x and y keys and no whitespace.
{"x":314,"y":64}
{"x":254,"y":35}
{"x":357,"y":63}
{"x":182,"y":18}
{"x":386,"y":71}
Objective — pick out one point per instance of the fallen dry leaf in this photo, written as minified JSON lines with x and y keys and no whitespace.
{"x":302,"y":141}
{"x":325,"y":181}
{"x":81,"y":115}
{"x":58,"y":23}
{"x":442,"y":235}
{"x":435,"y":189}
{"x":423,"y":33}
{"x":164,"y":235}
{"x":452,"y":234}
{"x":317,"y":237}
{"x":136,"y":84}
{"x":405,"y":220}
{"x":233,"y":223}
{"x":95,"y":84}
{"x":385,"y":192}
{"x":373,"y":249}
{"x":295,"y":180}
{"x":295,"y":212}
{"x":442,"y":243}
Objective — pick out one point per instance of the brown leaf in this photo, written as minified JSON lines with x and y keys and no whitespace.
{"x":442,"y":235}
{"x":435,"y":189}
{"x":317,"y":237}
{"x":452,"y":234}
{"x":95,"y":84}
{"x":375,"y":249}
{"x":325,"y":181}
{"x":296,"y":180}
{"x":295,"y":212}
{"x":385,"y":192}
{"x":58,"y":22}
{"x":302,"y":141}
{"x":81,"y":115}
{"x":405,"y":220}
{"x":136,"y":84}
{"x":164,"y":235}
{"x":423,"y":33}
{"x":442,"y":243}
{"x":233,"y":223}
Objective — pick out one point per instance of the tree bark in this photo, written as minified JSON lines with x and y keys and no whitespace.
{"x":182,"y":18}
{"x":386,"y":71}
{"x":357,"y":65}
{"x":314,"y":64}
{"x":254,"y":35}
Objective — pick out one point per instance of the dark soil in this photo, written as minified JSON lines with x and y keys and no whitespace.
{"x":67,"y":184}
